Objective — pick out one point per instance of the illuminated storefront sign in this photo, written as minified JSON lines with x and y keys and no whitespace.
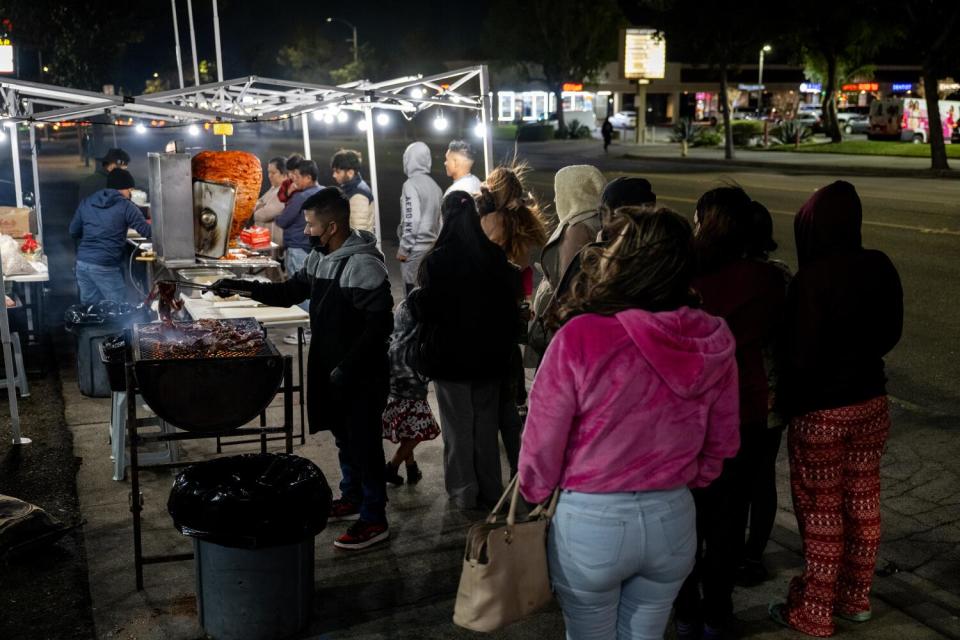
{"x":901,"y":87}
{"x":644,"y":54}
{"x":6,"y":55}
{"x":811,"y":87}
{"x":861,"y":86}
{"x":572,"y":86}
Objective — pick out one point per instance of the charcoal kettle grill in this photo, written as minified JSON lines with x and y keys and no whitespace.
{"x":206,"y":393}
{"x":209,"y":391}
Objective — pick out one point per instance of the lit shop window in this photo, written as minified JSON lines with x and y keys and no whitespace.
{"x":506,"y":111}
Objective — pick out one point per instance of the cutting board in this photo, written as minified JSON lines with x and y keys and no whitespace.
{"x":265,"y":314}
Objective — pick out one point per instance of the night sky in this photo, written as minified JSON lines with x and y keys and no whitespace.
{"x":252,"y":32}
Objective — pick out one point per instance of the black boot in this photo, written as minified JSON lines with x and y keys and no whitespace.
{"x":413,"y":473}
{"x":392,"y":475}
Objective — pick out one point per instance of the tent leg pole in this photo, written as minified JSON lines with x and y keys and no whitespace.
{"x":372,"y":163}
{"x":15,"y":158}
{"x":486,"y":112}
{"x":36,"y":181}
{"x":18,"y":438}
{"x":305,"y":125}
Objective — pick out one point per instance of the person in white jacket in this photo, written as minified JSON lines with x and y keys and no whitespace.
{"x":345,"y":165}
{"x":459,"y":165}
{"x":268,"y":206}
{"x":419,"y":211}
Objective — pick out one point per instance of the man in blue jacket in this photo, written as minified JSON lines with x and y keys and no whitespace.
{"x":296,"y":243}
{"x":100,"y":224}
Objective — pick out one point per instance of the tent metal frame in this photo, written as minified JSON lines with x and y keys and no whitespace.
{"x":241,"y":100}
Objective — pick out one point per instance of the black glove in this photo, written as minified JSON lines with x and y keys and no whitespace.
{"x":338,"y":377}
{"x":226,"y":287}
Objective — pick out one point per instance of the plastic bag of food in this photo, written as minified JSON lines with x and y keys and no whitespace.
{"x":13,"y":261}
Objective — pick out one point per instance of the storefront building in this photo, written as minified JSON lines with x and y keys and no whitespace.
{"x":692,"y":91}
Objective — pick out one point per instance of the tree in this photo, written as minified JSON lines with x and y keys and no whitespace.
{"x":836,"y":43}
{"x":722,"y":35}
{"x":570,"y":40}
{"x":930,"y":33}
{"x":79,"y":45}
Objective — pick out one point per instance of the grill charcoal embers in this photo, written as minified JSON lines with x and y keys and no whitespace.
{"x":201,"y":339}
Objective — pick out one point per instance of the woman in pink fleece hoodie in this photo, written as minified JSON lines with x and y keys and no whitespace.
{"x":636,"y":400}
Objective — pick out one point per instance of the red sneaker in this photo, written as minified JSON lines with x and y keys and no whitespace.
{"x":362,"y":534}
{"x":341,"y":510}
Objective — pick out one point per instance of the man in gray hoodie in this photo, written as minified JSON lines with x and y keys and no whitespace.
{"x":420,"y":212}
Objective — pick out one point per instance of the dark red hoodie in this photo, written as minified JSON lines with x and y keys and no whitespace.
{"x":844,"y":309}
{"x":749,"y":295}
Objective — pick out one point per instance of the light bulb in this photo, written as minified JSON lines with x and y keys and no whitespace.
{"x":193,"y":130}
{"x":362,"y":124}
{"x":440,"y":123}
{"x":383,"y":119}
{"x":140,"y":128}
{"x":416,"y":92}
{"x":342,"y":117}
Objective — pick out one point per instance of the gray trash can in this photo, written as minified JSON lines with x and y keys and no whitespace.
{"x":253,"y":518}
{"x":254,"y":594}
{"x":92,"y":325}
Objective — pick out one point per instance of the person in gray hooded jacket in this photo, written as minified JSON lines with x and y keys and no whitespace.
{"x":420,"y":210}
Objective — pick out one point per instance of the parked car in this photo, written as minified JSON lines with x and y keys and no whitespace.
{"x":846,"y":113}
{"x":626,"y":119}
{"x":810,"y":119}
{"x":857,"y":124}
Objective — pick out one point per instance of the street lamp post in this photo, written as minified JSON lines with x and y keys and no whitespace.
{"x":356,"y":52}
{"x":766,"y":49}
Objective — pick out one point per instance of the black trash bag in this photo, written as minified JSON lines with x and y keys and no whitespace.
{"x":106,"y":312}
{"x":113,"y":355}
{"x":251,"y":501}
{"x":25,"y":526}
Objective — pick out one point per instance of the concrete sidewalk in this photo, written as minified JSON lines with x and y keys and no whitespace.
{"x":406,"y":588}
{"x":807,"y":162}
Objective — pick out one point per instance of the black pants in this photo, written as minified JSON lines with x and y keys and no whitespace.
{"x":359,"y":442}
{"x":511,"y":425}
{"x":716,"y":545}
{"x":755,"y":488}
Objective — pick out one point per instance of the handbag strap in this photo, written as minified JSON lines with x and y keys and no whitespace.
{"x":513,"y":485}
{"x":545,"y":510}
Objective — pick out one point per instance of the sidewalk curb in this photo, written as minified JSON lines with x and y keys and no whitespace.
{"x":951,"y":174}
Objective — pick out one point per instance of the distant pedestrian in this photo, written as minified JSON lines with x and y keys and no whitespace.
{"x":458,"y":162}
{"x":345,"y":165}
{"x":468,"y":305}
{"x":606,"y":130}
{"x":844,"y":313}
{"x":511,"y":218}
{"x":749,"y":295}
{"x":86,"y":144}
{"x":408,"y":419}
{"x":635,"y":401}
{"x":419,"y":212}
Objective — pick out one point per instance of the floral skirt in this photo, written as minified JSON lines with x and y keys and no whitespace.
{"x":405,"y":419}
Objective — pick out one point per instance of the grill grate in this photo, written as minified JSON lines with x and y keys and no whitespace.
{"x":152,"y":345}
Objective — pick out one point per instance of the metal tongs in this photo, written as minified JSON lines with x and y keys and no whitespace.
{"x":203,"y":288}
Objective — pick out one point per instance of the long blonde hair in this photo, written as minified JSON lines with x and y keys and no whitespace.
{"x":523,"y":226}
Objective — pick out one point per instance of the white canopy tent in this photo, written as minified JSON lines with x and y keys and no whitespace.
{"x":242,"y":100}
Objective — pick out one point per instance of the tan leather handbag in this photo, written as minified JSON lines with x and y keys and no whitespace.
{"x":505,"y":575}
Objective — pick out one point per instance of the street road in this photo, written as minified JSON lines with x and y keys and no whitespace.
{"x":915,"y":220}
